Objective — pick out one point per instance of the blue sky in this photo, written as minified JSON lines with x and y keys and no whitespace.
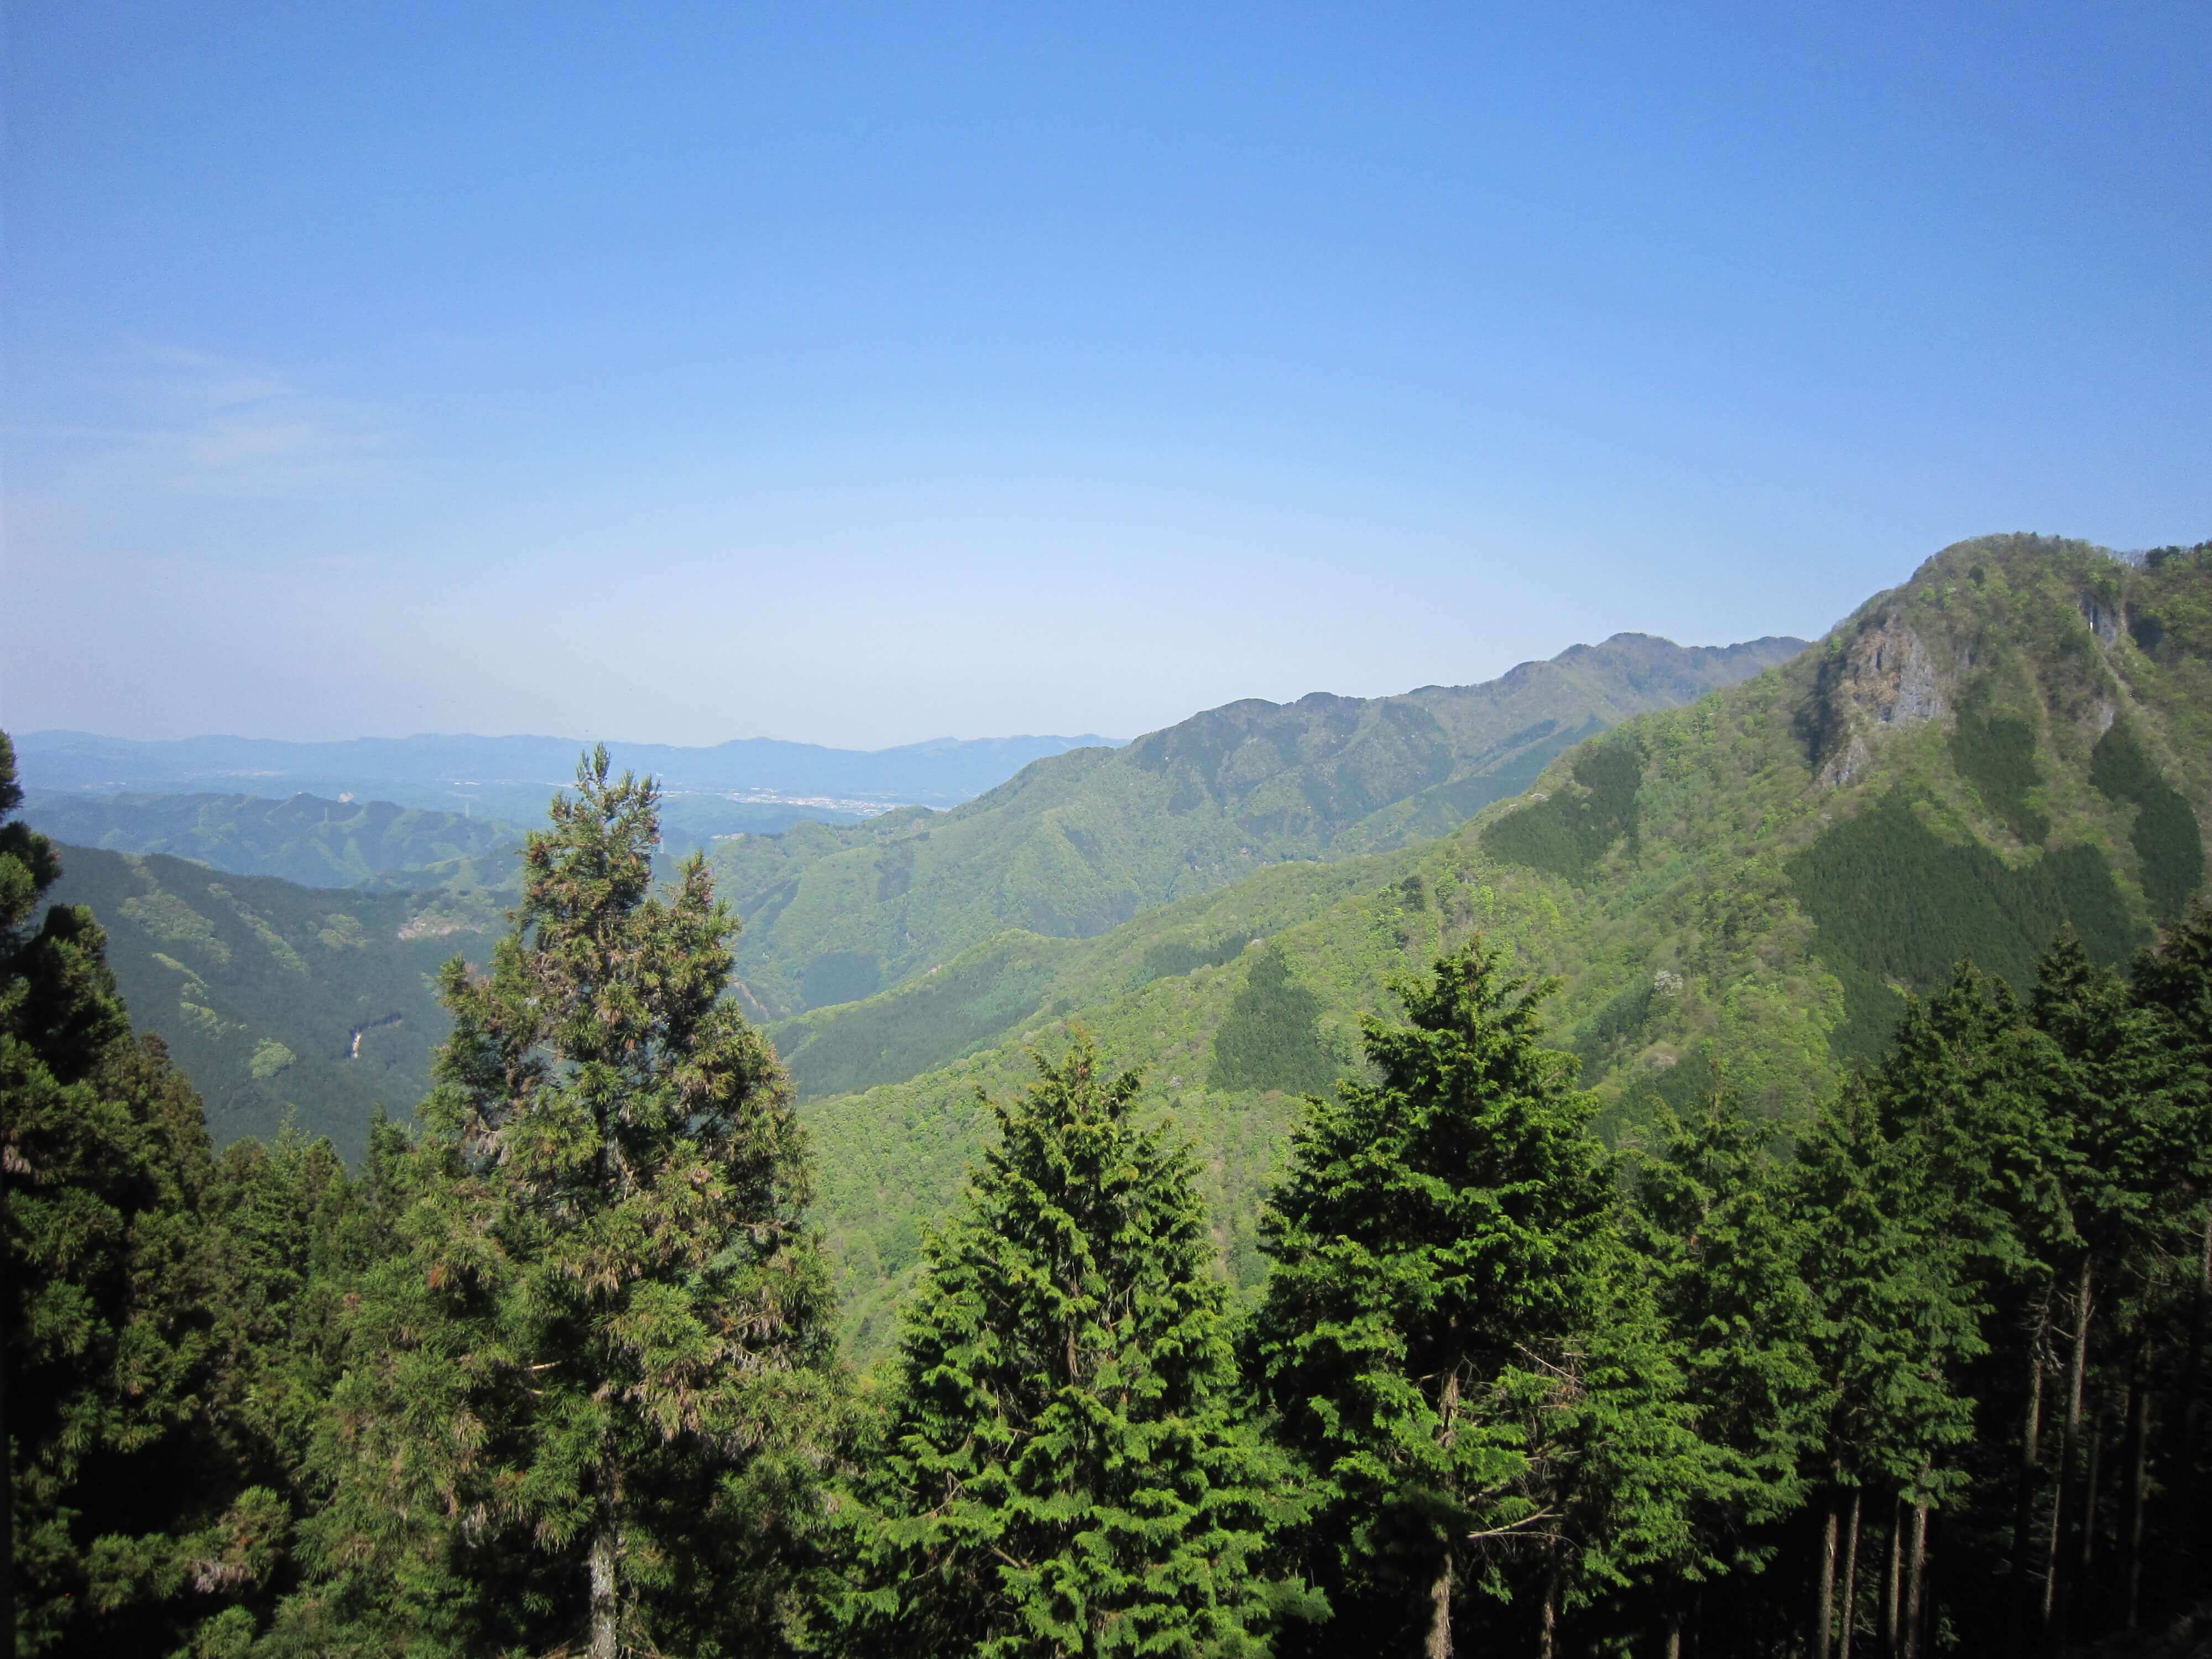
{"x":863,"y":375}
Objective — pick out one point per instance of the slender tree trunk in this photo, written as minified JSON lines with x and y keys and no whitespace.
{"x":1547,"y":1645}
{"x":2023,"y":1510}
{"x":1824,"y":1612}
{"x":2138,"y":1483}
{"x":1851,"y":1575}
{"x":2054,"y":1615}
{"x":606,"y":1602}
{"x":1916,"y":1580}
{"x":1890,"y":1585}
{"x":1673,"y":1635}
{"x":1439,"y":1645}
{"x":2085,"y":1564}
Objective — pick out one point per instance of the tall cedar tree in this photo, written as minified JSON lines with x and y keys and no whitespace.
{"x":596,"y":1363}
{"x":1726,"y":1250}
{"x":1454,"y":1336}
{"x":1913,"y":1185}
{"x":1062,"y":1472}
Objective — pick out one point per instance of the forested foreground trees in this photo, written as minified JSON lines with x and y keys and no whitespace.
{"x":586,"y":1385}
{"x":1062,"y":1469}
{"x":552,"y":1375}
{"x":1457,"y":1337}
{"x":165,"y":1360}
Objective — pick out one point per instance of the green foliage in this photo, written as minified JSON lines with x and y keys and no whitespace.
{"x":1726,"y":1250}
{"x":152,"y":1464}
{"x":1269,"y":1039}
{"x":600,"y":1353}
{"x":1893,"y":900}
{"x":1996,"y":753}
{"x":840,"y":976}
{"x":1081,"y":843}
{"x":2165,"y":835}
{"x":1449,"y":1338}
{"x":1567,"y":833}
{"x":1171,"y":958}
{"x":231,"y":971}
{"x":1061,"y":1470}
{"x":306,"y":839}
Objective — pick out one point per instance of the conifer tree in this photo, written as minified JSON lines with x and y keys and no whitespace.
{"x":132,"y":1525}
{"x":1062,"y":1471}
{"x":596,"y":1364}
{"x":1453,"y":1337}
{"x":1726,"y":1252}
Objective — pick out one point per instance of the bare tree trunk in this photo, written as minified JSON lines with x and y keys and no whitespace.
{"x":1851,"y":1575}
{"x":2054,"y":1616}
{"x":1917,"y":1580}
{"x":1675,"y":1636}
{"x":1824,"y":1612}
{"x":2023,"y":1511}
{"x":2085,"y":1565}
{"x":2138,"y":1483}
{"x":606,"y":1604}
{"x":1890,"y":1586}
{"x":1547,"y":1643}
{"x":1439,"y":1645}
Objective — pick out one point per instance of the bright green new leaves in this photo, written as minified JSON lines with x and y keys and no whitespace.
{"x":1062,"y":1472}
{"x":602,"y":1349}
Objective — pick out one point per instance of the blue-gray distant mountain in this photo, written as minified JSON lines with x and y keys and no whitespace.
{"x":512,"y":777}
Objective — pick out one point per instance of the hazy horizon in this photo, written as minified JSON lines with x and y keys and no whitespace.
{"x":860,"y":379}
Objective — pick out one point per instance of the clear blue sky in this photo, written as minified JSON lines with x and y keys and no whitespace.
{"x":866,"y":375}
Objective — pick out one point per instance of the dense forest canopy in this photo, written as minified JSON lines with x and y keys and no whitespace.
{"x":1842,"y":1276}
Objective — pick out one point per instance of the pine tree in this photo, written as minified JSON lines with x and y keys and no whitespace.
{"x":597,"y":1363}
{"x":1062,"y":1471}
{"x":1452,"y":1336}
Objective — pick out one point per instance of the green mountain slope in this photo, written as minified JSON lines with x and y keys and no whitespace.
{"x":1080,"y":843}
{"x":2019,"y":738}
{"x":307,"y":839}
{"x":276,"y":998}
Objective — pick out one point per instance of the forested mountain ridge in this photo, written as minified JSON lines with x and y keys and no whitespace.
{"x":307,"y":839}
{"x":2019,"y":737}
{"x":279,"y":1001}
{"x":1083,"y":842}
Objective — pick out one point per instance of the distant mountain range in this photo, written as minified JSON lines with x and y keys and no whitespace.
{"x":306,"y":839}
{"x":512,"y":777}
{"x":1080,"y":842}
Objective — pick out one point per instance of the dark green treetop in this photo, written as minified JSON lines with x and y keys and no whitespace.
{"x":1727,"y":1251}
{"x":1063,"y":1470}
{"x":1453,"y":1336}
